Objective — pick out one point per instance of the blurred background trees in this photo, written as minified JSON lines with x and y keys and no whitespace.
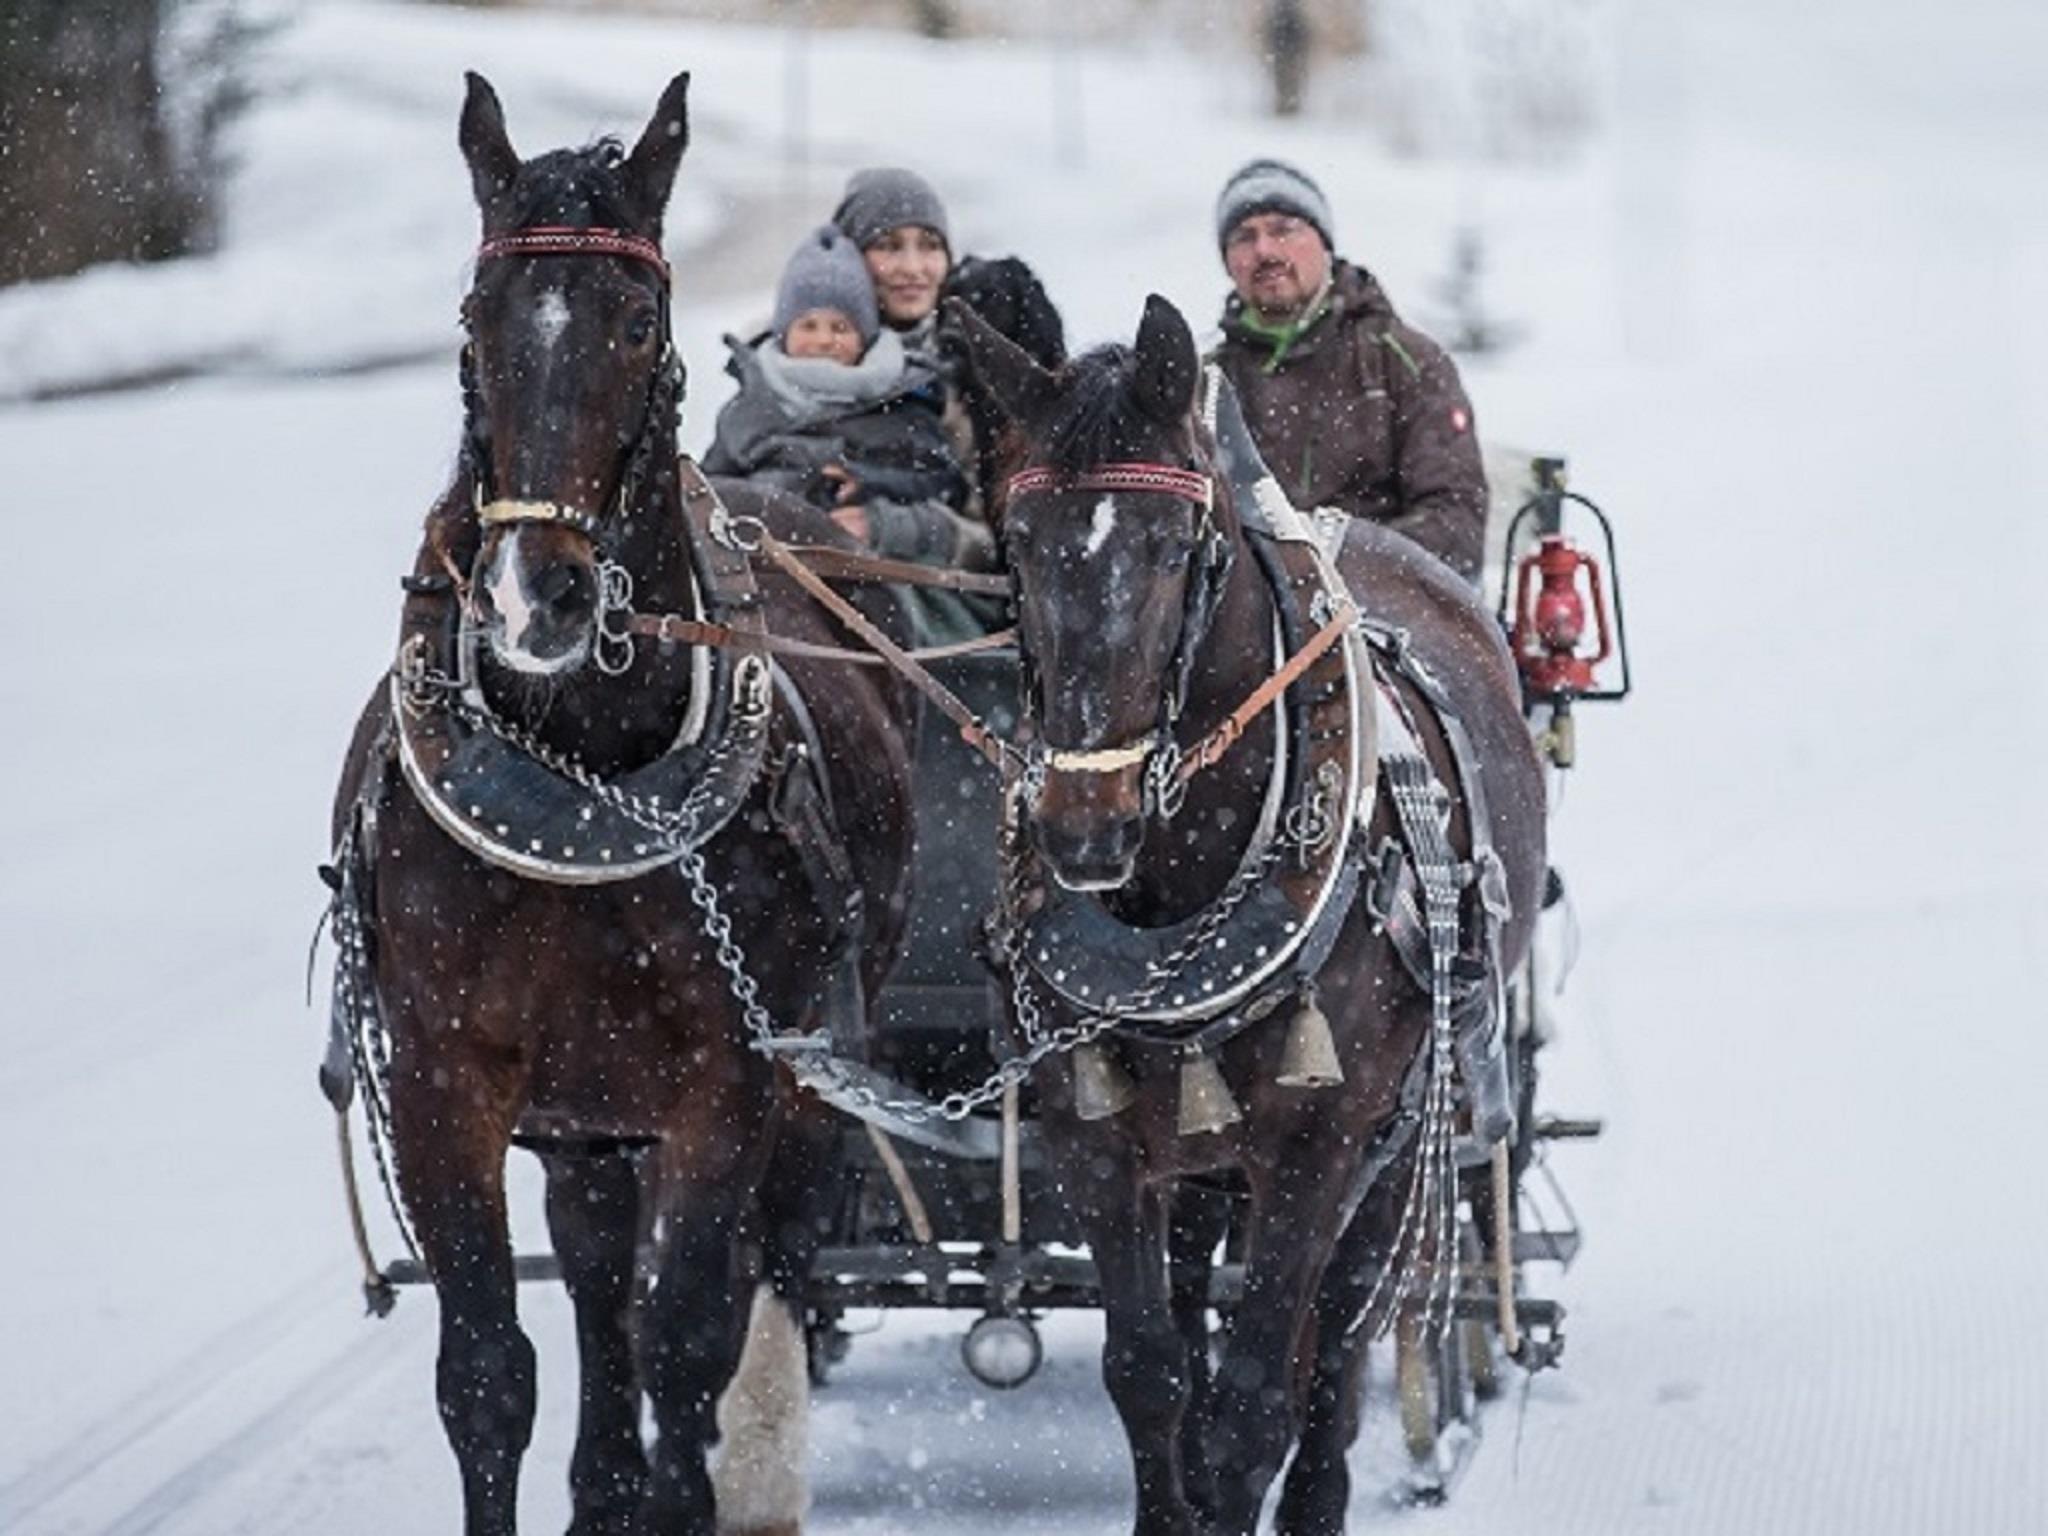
{"x":110,"y":117}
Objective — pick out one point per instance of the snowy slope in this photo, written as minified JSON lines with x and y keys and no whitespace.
{"x":1786,"y":316}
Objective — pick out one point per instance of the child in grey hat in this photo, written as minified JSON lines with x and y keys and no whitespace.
{"x":833,"y":408}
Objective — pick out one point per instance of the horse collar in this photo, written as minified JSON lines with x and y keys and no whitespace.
{"x":1281,"y":911}
{"x":539,"y":814}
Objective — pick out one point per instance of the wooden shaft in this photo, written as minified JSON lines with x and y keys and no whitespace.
{"x":906,"y":1192}
{"x":1013,"y":1185}
{"x":1504,"y":1250}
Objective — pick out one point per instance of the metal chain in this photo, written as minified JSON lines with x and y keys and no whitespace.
{"x":808,"y":1055}
{"x":1424,"y":1253}
{"x":369,"y":1042}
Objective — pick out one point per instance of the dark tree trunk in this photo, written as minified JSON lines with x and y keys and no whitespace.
{"x":934,"y":18}
{"x":88,"y":168}
{"x":1287,"y":44}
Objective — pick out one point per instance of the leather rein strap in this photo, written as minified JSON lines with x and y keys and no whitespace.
{"x":1211,"y":748}
{"x":678,"y":630}
{"x":972,"y":731}
{"x":847,"y":565}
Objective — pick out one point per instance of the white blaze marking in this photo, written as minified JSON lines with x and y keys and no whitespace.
{"x":550,"y":319}
{"x":507,"y":587}
{"x":1098,"y":529}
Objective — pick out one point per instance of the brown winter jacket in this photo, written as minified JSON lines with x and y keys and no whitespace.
{"x":1365,"y":413}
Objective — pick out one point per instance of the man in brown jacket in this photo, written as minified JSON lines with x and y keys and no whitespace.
{"x":1350,"y":407}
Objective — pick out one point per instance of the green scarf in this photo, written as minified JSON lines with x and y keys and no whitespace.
{"x":1283,"y":334}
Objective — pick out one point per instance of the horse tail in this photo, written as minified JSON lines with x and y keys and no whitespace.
{"x":758,"y":1477}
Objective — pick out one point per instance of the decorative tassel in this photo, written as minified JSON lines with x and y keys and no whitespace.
{"x":1101,"y":1086}
{"x":1309,"y":1059}
{"x":1205,"y":1101}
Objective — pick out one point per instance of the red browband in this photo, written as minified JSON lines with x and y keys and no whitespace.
{"x":1162,"y":479}
{"x":552,"y":240}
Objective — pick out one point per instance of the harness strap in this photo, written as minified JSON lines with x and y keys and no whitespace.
{"x":1211,"y":748}
{"x":972,"y":731}
{"x":674,"y":627}
{"x":846,"y":565}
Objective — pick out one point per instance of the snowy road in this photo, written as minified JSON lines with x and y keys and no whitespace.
{"x":1789,"y":316}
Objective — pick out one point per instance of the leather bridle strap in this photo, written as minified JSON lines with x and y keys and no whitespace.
{"x":561,"y":240}
{"x":1211,"y":748}
{"x":564,"y":240}
{"x":1158,"y":479}
{"x":506,"y":511}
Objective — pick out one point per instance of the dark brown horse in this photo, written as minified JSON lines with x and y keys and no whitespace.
{"x":572,"y":850}
{"x":1165,"y":862}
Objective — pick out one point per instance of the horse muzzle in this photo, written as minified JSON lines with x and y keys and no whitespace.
{"x":1087,"y":829}
{"x":537,"y":599}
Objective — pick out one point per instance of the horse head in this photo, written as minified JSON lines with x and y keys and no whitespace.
{"x":569,"y":374}
{"x":1118,"y":551}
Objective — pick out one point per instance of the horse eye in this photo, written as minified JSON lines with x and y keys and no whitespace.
{"x":640,"y":328}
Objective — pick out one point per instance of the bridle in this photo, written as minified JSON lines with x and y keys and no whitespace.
{"x":664,"y":389}
{"x":1158,"y":753}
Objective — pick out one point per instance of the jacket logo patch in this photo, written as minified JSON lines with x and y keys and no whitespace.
{"x":1460,"y":420}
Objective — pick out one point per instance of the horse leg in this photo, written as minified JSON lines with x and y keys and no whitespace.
{"x":593,"y":1216}
{"x":1317,"y":1491}
{"x":1144,"y":1358}
{"x":1295,"y":1223}
{"x":691,"y":1330}
{"x":1200,"y":1220}
{"x":452,"y":1170}
{"x":759,"y":1474}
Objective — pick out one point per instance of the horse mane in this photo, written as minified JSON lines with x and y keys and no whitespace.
{"x":574,"y":187}
{"x":1097,"y":422}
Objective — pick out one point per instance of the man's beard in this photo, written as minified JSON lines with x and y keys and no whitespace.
{"x":1277,"y":305}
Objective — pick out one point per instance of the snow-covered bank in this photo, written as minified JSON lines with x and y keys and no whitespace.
{"x":1787,"y":319}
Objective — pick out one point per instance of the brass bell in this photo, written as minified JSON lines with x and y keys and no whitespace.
{"x":1309,"y":1059}
{"x":1101,"y":1085}
{"x":1205,"y":1101}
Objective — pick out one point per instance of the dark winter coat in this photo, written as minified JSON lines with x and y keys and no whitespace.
{"x":1363,"y":412}
{"x":878,"y":419}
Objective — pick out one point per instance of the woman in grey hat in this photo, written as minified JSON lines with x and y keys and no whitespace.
{"x":898,"y":222}
{"x":899,"y":225}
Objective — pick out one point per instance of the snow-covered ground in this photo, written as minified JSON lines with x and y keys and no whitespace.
{"x":1788,"y":315}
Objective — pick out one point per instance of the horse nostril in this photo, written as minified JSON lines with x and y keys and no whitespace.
{"x":560,"y":585}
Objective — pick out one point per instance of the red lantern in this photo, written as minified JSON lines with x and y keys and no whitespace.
{"x":1550,"y":621}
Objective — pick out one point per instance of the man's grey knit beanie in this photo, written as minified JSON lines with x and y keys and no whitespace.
{"x":883,"y":198}
{"x":826,"y":272}
{"x":1272,"y":186}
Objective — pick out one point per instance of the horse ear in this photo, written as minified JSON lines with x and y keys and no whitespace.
{"x":485,"y":145}
{"x":650,"y":171}
{"x":1168,"y":369}
{"x":1023,"y":388}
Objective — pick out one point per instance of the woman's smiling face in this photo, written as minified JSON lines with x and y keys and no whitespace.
{"x":908,"y":264}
